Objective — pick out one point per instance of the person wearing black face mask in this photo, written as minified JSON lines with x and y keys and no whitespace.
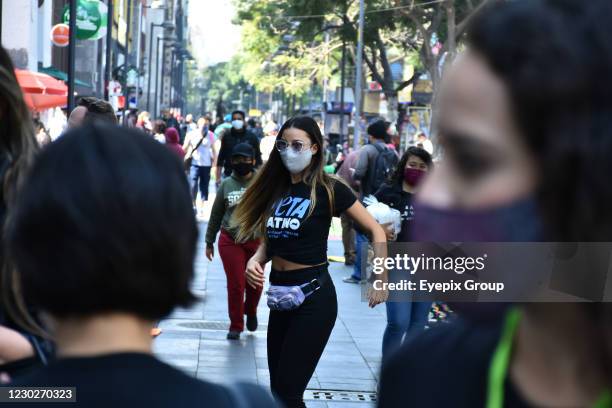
{"x":235,"y":254}
{"x":404,"y":317}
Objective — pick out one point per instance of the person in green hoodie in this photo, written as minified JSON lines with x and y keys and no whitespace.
{"x":241,"y":298}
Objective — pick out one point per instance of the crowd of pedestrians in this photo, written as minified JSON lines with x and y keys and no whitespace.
{"x":100,"y":230}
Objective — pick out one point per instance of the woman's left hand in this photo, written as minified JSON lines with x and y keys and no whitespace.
{"x":377,"y":296}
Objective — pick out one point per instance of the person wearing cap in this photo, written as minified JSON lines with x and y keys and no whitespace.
{"x":241,"y":298}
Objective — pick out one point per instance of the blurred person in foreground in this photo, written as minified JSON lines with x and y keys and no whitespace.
{"x":90,"y":109}
{"x":102,"y":282}
{"x":525,"y":124}
{"x":18,"y":345}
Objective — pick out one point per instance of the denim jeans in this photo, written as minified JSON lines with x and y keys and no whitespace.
{"x":199,"y":177}
{"x":360,"y":252}
{"x":404,"y":318}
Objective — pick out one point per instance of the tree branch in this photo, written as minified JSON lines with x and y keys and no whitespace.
{"x":408,"y":82}
{"x":462,"y":26}
{"x":371,"y":63}
{"x":384,"y":61}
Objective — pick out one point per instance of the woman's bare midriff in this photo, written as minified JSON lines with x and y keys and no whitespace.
{"x":280,"y":264}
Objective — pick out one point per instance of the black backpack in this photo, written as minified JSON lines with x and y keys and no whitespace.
{"x":384,"y":165}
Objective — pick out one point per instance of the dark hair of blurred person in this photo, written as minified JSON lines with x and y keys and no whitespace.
{"x":525,"y":124}
{"x":17,"y":154}
{"x":103,"y":281}
{"x":91,"y":109}
{"x":378,"y":129}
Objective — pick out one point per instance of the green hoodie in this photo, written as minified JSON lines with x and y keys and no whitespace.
{"x":228,"y":195}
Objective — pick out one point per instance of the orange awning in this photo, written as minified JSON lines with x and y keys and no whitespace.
{"x":41,"y":102}
{"x":41,"y":91}
{"x":38,"y":83}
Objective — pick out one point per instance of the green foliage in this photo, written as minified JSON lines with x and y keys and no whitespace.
{"x":269,"y":60}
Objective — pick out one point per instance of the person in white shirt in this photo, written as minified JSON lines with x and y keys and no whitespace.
{"x":266,"y":145}
{"x":424,"y":143}
{"x":198,"y":146}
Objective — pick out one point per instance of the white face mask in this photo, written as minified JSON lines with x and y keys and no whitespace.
{"x":238,"y":124}
{"x":296,"y":162}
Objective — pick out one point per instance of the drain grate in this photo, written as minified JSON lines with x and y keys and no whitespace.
{"x":210,"y":325}
{"x":339,"y":395}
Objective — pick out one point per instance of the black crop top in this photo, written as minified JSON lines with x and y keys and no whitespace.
{"x":294,"y":236}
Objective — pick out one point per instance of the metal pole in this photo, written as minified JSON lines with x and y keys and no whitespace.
{"x":126,"y":92}
{"x":138,"y":46}
{"x":0,"y":21}
{"x":163,"y":71}
{"x":342,"y":80}
{"x":325,"y":80}
{"x":109,"y":47}
{"x":358,"y":75}
{"x":150,"y":63}
{"x":71,"y":53}
{"x":156,"y":77}
{"x":172,"y":78}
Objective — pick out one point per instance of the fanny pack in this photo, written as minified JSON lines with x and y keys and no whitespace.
{"x":285,"y":298}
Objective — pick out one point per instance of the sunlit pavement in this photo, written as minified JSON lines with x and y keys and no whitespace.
{"x":194,"y":339}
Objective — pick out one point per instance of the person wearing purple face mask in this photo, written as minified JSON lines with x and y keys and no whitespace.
{"x":404,"y":317}
{"x":524,"y":123}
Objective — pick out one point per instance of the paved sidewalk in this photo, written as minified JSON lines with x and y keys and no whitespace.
{"x":194,"y":339}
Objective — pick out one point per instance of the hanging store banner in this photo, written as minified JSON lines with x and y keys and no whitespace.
{"x":91,"y":20}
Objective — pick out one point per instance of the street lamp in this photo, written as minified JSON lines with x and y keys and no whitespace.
{"x":159,"y":39}
{"x":168,"y":25}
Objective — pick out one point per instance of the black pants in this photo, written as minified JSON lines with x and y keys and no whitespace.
{"x":296,"y":338}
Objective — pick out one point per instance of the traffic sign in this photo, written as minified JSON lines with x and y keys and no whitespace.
{"x":60,"y":35}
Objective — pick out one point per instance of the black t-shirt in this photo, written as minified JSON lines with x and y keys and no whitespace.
{"x":296,"y":237}
{"x":134,"y":380}
{"x":445,"y":366}
{"x":395,"y":197}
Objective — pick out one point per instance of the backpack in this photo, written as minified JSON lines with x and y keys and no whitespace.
{"x":384,"y":165}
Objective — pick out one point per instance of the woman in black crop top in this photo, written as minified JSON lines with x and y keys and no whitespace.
{"x":291,"y":203}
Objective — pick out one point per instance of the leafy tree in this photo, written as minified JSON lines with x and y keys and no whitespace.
{"x":393,"y":28}
{"x":223,"y":83}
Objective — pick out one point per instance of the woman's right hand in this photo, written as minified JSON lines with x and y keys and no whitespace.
{"x":210,"y":252}
{"x":389,"y":231}
{"x":254,"y":273}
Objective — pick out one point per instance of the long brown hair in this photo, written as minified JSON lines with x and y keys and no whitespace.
{"x":274,"y":180}
{"x":18,"y":142}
